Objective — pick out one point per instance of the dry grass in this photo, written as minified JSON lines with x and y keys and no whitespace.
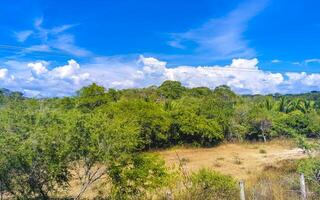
{"x":263,"y":166}
{"x":238,"y":160}
{"x":278,"y":181}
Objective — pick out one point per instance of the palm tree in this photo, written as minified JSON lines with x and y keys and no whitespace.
{"x":305,"y":105}
{"x":293,"y":105}
{"x":283,"y":103}
{"x":267,"y":103}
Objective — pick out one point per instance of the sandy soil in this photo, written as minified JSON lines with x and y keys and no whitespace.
{"x":238,"y":160}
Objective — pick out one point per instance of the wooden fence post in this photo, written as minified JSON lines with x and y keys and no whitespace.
{"x":169,"y":195}
{"x":242,"y":195}
{"x":303,"y":192}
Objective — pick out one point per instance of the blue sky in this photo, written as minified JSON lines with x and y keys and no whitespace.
{"x":53,"y":48}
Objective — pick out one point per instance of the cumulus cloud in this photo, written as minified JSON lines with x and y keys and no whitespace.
{"x":38,"y":67}
{"x":244,"y":76}
{"x":67,"y":70}
{"x":35,"y":78}
{"x":3,"y":73}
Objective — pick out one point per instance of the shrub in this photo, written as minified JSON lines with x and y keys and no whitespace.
{"x":208,"y":184}
{"x":133,"y":178}
{"x":311,"y":169}
{"x":262,"y":151}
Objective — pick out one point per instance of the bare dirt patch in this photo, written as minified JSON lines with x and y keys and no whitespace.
{"x":238,"y":160}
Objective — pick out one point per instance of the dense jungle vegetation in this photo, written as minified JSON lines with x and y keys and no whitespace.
{"x":110,"y":132}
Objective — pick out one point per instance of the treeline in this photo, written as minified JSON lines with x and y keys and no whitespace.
{"x":173,"y":114}
{"x":107,"y":132}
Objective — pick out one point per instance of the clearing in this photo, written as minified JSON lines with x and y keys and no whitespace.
{"x":237,"y":160}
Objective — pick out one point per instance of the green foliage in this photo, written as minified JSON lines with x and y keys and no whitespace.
{"x":313,"y":125}
{"x":36,"y":164}
{"x":171,"y":89}
{"x":199,"y":92}
{"x":97,"y":139}
{"x":153,"y":122}
{"x":311,"y":169}
{"x":208,"y":184}
{"x":91,"y":97}
{"x":134,"y":177}
{"x":188,"y":125}
{"x":220,"y":106}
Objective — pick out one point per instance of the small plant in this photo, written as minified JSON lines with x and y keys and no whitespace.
{"x":237,"y":160}
{"x":262,"y":151}
{"x":217,"y":164}
{"x":220,"y":158}
{"x":184,"y":161}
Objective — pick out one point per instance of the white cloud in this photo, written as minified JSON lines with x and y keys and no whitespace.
{"x":296,"y":63}
{"x":51,"y":39}
{"x":35,"y":78}
{"x":38,"y":67}
{"x":3,"y":73}
{"x":276,"y":61}
{"x":222,"y":38}
{"x":38,"y":22}
{"x":37,"y":48}
{"x":23,"y":35}
{"x":313,"y":60}
{"x":60,"y":29}
{"x":66,"y":71}
{"x":66,"y":43}
{"x":242,"y":75}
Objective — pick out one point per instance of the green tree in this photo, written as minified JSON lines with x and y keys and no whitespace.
{"x":151,"y":118}
{"x":35,"y":164}
{"x":220,"y":107}
{"x":96,"y":141}
{"x":188,"y":126}
{"x":138,"y":175}
{"x":171,"y":89}
{"x":91,"y":97}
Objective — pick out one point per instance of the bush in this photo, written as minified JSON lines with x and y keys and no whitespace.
{"x":208,"y":184}
{"x":35,"y":166}
{"x":311,"y":169}
{"x":134,"y":178}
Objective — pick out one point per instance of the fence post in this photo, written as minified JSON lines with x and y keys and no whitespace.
{"x":242,"y":195}
{"x":303,"y":192}
{"x":169,"y":195}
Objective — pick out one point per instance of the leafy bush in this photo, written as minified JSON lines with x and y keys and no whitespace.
{"x":208,"y":184}
{"x":311,"y":169}
{"x":37,"y":165}
{"x":134,"y":177}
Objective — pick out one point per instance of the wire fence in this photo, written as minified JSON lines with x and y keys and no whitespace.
{"x":267,"y":191}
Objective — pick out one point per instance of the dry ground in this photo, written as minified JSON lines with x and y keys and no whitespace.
{"x":238,"y":160}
